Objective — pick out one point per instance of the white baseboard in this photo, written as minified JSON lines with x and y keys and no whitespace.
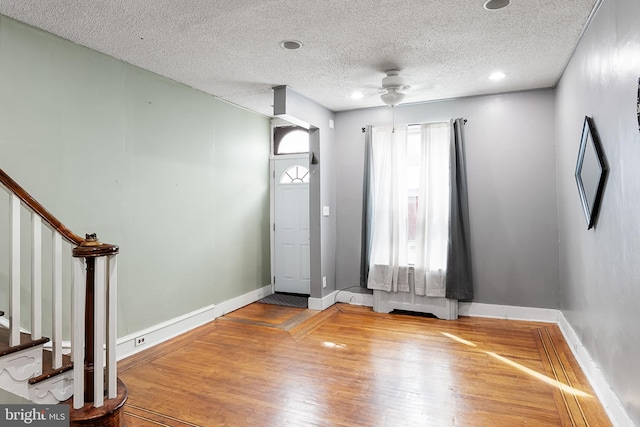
{"x":179,"y":325}
{"x":475,"y":309}
{"x":324,"y":302}
{"x":606,"y":395}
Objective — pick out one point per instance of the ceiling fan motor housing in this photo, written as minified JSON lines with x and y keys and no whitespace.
{"x":393,"y":80}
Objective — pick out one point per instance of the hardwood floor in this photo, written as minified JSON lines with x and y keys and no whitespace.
{"x":267,"y":365}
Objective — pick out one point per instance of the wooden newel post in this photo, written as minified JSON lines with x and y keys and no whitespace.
{"x":90,"y":250}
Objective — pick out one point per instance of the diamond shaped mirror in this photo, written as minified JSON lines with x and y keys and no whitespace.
{"x":591,"y":172}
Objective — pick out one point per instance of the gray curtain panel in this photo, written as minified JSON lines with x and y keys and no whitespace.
{"x":367,"y":209}
{"x":459,"y":281}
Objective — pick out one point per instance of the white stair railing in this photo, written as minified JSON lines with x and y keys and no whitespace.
{"x":93,"y":305}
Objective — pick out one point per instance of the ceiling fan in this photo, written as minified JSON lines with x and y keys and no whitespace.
{"x":392,"y":86}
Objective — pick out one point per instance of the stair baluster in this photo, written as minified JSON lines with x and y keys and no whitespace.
{"x":36,"y":276}
{"x":56,"y":330}
{"x":14,"y":273}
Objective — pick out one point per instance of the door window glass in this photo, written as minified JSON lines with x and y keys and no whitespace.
{"x":297,"y":174}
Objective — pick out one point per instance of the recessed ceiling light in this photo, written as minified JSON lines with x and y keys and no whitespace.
{"x":496,"y":4}
{"x":498,"y":75}
{"x":357,"y":95}
{"x":290,"y":44}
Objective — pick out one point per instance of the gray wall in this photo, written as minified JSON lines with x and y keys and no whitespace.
{"x":600,"y":268}
{"x":512,"y":191}
{"x":177,"y":178}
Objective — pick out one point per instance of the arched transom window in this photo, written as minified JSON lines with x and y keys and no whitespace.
{"x":291,"y":140}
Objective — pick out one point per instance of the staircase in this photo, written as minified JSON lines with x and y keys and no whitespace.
{"x":27,"y":370}
{"x":48,"y":370}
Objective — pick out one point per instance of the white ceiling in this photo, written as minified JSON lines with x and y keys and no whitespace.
{"x":231,"y":48}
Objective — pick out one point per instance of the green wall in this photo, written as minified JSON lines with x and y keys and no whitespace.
{"x":177,"y":178}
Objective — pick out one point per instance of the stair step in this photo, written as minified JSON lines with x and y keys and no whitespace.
{"x":48,"y":371}
{"x":25,"y":342}
{"x":46,"y":363}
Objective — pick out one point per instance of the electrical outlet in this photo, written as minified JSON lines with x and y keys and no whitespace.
{"x":140,"y":341}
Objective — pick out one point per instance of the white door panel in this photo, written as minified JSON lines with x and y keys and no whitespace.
{"x":291,"y":235}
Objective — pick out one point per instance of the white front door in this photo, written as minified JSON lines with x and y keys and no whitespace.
{"x":291,"y":234}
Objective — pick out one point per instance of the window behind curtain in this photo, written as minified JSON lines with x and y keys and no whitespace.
{"x":410,"y":173}
{"x":438,"y":191}
{"x":413,"y":181}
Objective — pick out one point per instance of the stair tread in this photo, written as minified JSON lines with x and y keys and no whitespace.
{"x":48,"y":371}
{"x":47,"y":358}
{"x":25,"y":342}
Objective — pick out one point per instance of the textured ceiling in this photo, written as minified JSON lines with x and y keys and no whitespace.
{"x":231,"y":48}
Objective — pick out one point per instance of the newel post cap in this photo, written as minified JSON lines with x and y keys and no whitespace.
{"x":92,"y":247}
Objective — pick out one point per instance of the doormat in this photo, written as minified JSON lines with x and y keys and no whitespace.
{"x":289,"y":300}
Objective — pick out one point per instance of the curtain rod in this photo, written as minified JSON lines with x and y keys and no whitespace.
{"x":464,"y":121}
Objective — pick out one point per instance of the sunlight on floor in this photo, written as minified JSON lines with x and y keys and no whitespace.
{"x":463,"y":341}
{"x":539,"y":376}
{"x":333,"y":345}
{"x":534,"y":374}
